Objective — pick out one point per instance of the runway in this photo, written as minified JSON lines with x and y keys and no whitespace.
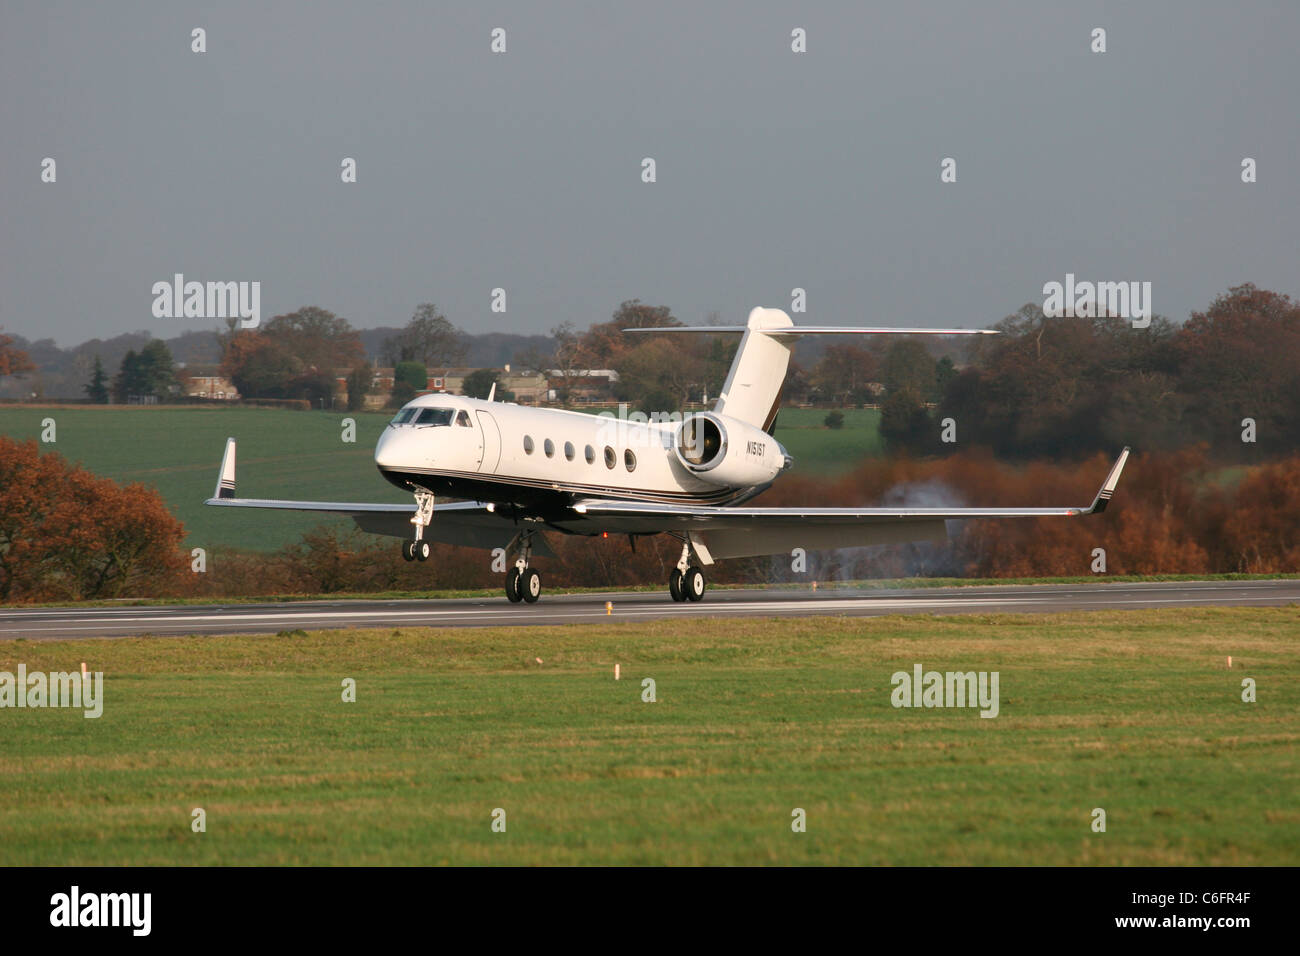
{"x":72,"y":622}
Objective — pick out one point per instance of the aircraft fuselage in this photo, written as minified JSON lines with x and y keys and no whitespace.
{"x":543,"y":459}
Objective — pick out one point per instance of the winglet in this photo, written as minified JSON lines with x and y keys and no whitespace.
{"x":226,"y":477}
{"x":1108,"y":486}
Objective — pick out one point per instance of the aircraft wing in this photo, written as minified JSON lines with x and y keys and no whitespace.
{"x":741,"y":532}
{"x":468,"y":523}
{"x":715,"y":532}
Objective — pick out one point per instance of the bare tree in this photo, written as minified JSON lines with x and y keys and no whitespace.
{"x":429,"y":338}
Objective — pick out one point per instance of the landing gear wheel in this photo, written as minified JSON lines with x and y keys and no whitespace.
{"x":513,"y":593}
{"x":693,"y":583}
{"x":675,"y":588}
{"x":408,"y":550}
{"x":422,"y":550}
{"x":530,"y":585}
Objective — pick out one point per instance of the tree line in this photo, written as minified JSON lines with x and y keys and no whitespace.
{"x":1045,"y":386}
{"x":1229,"y":377}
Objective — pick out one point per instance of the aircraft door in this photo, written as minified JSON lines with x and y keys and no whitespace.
{"x":491,"y":442}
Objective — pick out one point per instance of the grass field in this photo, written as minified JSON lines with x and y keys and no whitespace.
{"x":818,"y":450}
{"x":294,"y":454}
{"x":282,"y":454}
{"x":1134,"y":712}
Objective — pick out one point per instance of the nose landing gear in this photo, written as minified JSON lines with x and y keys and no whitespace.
{"x":419,"y":549}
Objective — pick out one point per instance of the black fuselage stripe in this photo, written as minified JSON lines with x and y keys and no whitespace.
{"x":572,"y":488}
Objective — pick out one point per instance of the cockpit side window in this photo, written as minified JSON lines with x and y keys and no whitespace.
{"x":462,"y":418}
{"x":404,"y":416}
{"x":434,"y":416}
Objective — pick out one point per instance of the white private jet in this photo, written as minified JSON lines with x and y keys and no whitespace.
{"x":520,"y":471}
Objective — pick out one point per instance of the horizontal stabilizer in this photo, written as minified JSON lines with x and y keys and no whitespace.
{"x":818,"y":330}
{"x":752,"y":391}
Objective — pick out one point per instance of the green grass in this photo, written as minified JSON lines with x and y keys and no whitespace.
{"x":821,"y":451}
{"x":282,"y":454}
{"x":1133,"y":711}
{"x":294,"y":454}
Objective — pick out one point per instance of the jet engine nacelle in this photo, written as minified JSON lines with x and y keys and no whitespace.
{"x":724,"y":451}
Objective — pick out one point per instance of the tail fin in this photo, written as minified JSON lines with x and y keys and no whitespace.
{"x":752,"y":392}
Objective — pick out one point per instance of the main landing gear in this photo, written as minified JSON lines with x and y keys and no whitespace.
{"x":418,"y":549}
{"x":686,"y":582}
{"x":522,"y":582}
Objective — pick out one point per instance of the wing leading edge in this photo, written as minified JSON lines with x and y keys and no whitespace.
{"x":468,"y":523}
{"x":744,"y":532}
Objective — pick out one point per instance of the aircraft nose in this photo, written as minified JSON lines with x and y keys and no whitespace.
{"x":388,"y":452}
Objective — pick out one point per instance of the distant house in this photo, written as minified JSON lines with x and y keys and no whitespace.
{"x":206,"y":381}
{"x":529,"y":387}
{"x":450,"y":380}
{"x":381,"y":387}
{"x":381,"y":384}
{"x":584,"y":385}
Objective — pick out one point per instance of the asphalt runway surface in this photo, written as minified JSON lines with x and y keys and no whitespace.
{"x":73,"y":622}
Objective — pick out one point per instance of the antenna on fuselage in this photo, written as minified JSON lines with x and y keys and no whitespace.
{"x":492,"y":391}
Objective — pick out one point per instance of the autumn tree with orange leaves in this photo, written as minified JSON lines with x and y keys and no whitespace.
{"x":67,"y":534}
{"x":13,"y":361}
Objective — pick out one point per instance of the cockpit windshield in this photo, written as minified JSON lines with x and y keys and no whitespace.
{"x":424,"y":416}
{"x":434,"y":416}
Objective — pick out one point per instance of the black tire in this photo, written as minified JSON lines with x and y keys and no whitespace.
{"x":693,"y":584}
{"x":675,"y":589}
{"x":530,"y":585}
{"x":408,"y":550}
{"x":422,"y":550}
{"x":513,"y":594}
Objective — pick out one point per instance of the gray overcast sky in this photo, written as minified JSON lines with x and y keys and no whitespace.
{"x":522,"y":170}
